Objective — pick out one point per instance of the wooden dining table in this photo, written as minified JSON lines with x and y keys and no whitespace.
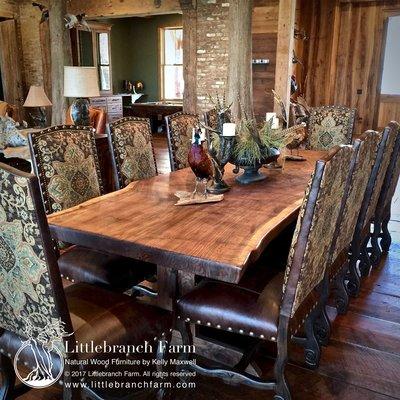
{"x":214,"y":240}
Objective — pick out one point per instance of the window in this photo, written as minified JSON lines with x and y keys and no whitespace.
{"x":171,"y":64}
{"x":103,"y":40}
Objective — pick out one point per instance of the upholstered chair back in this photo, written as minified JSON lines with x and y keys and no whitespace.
{"x":330,"y":126}
{"x":393,"y":173}
{"x":31,"y":294}
{"x":179,"y":129}
{"x":210,"y":118}
{"x":382,"y":168}
{"x":315,"y":231}
{"x":368,"y":149}
{"x":133,"y":151}
{"x":66,"y":163}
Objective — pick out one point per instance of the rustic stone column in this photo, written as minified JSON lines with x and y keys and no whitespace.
{"x":240,"y":82}
{"x":60,"y":47}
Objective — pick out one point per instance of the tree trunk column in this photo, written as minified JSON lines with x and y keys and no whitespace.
{"x":60,"y":48}
{"x":284,"y":55}
{"x":240,"y":82}
{"x":189,"y":22}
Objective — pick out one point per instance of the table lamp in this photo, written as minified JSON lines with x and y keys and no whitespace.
{"x":81,"y":83}
{"x":37,"y":99}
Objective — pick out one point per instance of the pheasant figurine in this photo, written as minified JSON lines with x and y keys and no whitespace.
{"x":200,"y":161}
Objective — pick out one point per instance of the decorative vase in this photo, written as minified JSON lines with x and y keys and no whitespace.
{"x":251,"y":172}
{"x":80,"y":112}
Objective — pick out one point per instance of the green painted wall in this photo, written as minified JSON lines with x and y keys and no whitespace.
{"x":135,"y":52}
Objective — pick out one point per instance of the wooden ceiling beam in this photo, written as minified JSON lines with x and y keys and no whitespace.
{"x":117,"y":8}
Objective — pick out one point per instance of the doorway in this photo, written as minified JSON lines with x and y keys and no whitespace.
{"x":389,"y":96}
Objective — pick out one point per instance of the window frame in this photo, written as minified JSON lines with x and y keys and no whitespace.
{"x":162,"y":65}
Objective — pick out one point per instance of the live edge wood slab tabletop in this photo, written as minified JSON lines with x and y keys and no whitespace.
{"x":215,"y":240}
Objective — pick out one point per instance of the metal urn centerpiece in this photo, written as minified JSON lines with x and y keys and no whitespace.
{"x":256,"y":145}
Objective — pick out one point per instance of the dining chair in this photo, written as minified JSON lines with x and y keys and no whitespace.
{"x":290,"y":300}
{"x":383,"y":209}
{"x":40,"y":321}
{"x":65,"y":162}
{"x":132,"y":148}
{"x":179,"y":131}
{"x":330,"y":126}
{"x":359,"y":260}
{"x":338,"y":269}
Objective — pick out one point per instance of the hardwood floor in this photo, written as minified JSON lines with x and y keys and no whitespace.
{"x":362,"y":360}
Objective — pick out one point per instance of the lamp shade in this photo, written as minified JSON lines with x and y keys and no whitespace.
{"x":37,"y":98}
{"x":81,"y":82}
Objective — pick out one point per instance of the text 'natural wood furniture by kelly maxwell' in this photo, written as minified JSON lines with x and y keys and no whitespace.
{"x":217,"y":241}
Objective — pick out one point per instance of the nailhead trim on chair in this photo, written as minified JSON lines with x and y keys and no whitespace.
{"x":68,"y":278}
{"x":242,"y":331}
{"x":230,"y":329}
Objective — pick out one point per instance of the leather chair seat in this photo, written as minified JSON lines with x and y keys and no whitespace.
{"x":234,"y":308}
{"x":97,"y":315}
{"x":79,"y":264}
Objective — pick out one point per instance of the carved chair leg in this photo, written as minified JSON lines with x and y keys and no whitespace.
{"x":282,"y":391}
{"x":365,"y":261}
{"x":312,"y":348}
{"x":340,"y":293}
{"x":162,"y":354}
{"x":376,"y":253}
{"x":386,"y":240}
{"x":322,"y":327}
{"x":7,"y":378}
{"x":310,"y":343}
{"x":186,"y":334}
{"x":353,"y":278}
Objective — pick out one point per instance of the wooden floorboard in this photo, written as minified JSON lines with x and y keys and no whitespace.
{"x":362,"y":360}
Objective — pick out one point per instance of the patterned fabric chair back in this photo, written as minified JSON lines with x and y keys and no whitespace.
{"x":210,"y":118}
{"x":315,"y":231}
{"x":66,"y":163}
{"x":330,"y":126}
{"x":392,"y":177}
{"x":31,"y":293}
{"x":381,"y":170}
{"x":133,"y":151}
{"x":368,"y":149}
{"x":179,"y":130}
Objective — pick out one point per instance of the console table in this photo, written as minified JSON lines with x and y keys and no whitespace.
{"x":155,"y":111}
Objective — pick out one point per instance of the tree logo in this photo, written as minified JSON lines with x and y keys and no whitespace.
{"x":42,"y":353}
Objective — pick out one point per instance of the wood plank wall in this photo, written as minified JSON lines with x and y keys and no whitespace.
{"x":389,"y":109}
{"x":343,"y":54}
{"x":265,"y":29}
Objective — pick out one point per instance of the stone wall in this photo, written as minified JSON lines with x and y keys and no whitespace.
{"x":28,"y":23}
{"x":212,"y":50}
